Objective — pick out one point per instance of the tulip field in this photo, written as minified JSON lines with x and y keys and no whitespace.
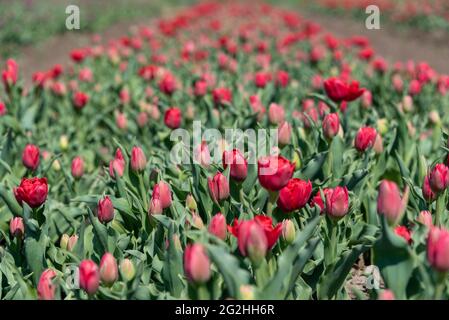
{"x":231,"y":150}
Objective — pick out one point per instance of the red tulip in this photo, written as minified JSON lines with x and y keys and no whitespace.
{"x":337,"y":202}
{"x":294,"y":195}
{"x":404,"y":233}
{"x":138,"y":159}
{"x":222,"y":96}
{"x":200,"y":88}
{"x":425,"y":217}
{"x":89,"y":276}
{"x":162,"y":192}
{"x":202,"y":155}
{"x":427,"y":192}
{"x":16,"y":227}
{"x":238,"y":164}
{"x":218,"y":226}
{"x":173,"y":118}
{"x":30,"y":157}
{"x":168,"y":84}
{"x":331,"y":125}
{"x":438,"y":249}
{"x":282,"y":78}
{"x":386,"y":295}
{"x":196,"y":263}
{"x":77,"y":167}
{"x":338,"y":90}
{"x":256,"y":236}
{"x":117,"y":165}
{"x":284,"y":133}
{"x":108,"y":269}
{"x":261,"y":79}
{"x":318,"y":201}
{"x":274,"y":172}
{"x":32,"y":191}
{"x":365,"y":138}
{"x":439,"y":178}
{"x":218,"y":187}
{"x":46,"y":288}
{"x":105,"y":210}
{"x":155,"y":206}
{"x":80,"y":99}
{"x":10,"y":74}
{"x":276,"y":113}
{"x":3,"y":109}
{"x":390,"y":203}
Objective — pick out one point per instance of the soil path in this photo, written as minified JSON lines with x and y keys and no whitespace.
{"x":390,"y":42}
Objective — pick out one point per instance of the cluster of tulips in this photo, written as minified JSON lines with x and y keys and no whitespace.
{"x":93,"y":206}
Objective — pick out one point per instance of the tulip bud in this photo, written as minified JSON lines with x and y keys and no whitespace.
{"x":382,"y":126}
{"x":173,"y":118}
{"x":191,"y":203}
{"x":127,"y":269}
{"x":117,"y":165}
{"x":46,"y":288}
{"x":64,"y":241}
{"x":155,"y":206}
{"x":439,"y":178}
{"x":162,"y":192}
{"x":438,"y":249}
{"x":196,"y":263}
{"x":16,"y":227}
{"x":89,"y":276}
{"x":138,"y":160}
{"x":427,"y":192}
{"x":121,"y":121}
{"x":296,"y":160}
{"x":64,"y":142}
{"x":108,"y":269}
{"x":337,"y":202}
{"x":218,"y":226}
{"x":284,"y":134}
{"x":386,"y":295}
{"x":276,"y":114}
{"x":288,"y":231}
{"x":72,"y":242}
{"x":201,"y":155}
{"x":390,"y":203}
{"x":434,"y":117}
{"x":218,"y":187}
{"x":378,"y":146}
{"x":56,"y":165}
{"x":77,"y":167}
{"x":105,"y":210}
{"x":425,"y":217}
{"x":407,"y":103}
{"x":30,"y":157}
{"x":238,"y":164}
{"x":367,"y":99}
{"x":247,"y":292}
{"x":254,"y":241}
{"x":197,"y":222}
{"x":142,"y":119}
{"x":331,"y":125}
{"x":365,"y":138}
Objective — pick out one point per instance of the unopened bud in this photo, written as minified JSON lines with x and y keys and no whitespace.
{"x":127,"y":269}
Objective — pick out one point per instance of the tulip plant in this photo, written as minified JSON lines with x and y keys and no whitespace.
{"x":94,"y":207}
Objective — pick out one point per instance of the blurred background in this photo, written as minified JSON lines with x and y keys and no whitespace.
{"x":34,"y":31}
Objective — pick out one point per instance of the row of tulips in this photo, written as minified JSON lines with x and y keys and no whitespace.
{"x":93,"y":207}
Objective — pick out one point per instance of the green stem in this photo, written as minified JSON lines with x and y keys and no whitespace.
{"x":261,"y":274}
{"x":440,"y":207}
{"x":331,"y":252}
{"x":272,"y":198}
{"x":202,"y":292}
{"x":143,"y":192}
